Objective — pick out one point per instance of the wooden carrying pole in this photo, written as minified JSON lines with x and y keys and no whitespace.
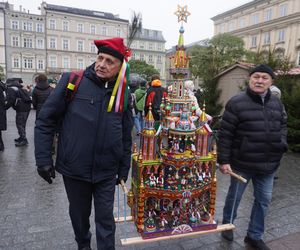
{"x":138,"y":240}
{"x":240,"y":178}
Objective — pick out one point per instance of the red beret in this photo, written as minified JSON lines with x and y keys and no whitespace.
{"x":113,"y":46}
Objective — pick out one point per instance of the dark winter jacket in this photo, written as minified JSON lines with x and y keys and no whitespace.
{"x":2,"y":109}
{"x":93,"y":144}
{"x":39,"y":95}
{"x":155,"y":95}
{"x":23,"y":100}
{"x":7,"y":99}
{"x":252,"y":137}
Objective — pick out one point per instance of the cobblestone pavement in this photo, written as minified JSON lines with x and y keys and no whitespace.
{"x":34,"y":214}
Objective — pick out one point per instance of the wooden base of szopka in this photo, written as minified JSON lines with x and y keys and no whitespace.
{"x":139,"y":240}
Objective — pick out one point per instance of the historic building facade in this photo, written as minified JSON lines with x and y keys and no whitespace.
{"x":149,"y":46}
{"x":265,"y":25}
{"x":61,"y":39}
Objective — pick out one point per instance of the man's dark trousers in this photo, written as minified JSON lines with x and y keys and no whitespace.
{"x":21,"y":120}
{"x":80,"y":194}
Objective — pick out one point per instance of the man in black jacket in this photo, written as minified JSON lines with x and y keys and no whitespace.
{"x":22,"y":106}
{"x":252,"y":140}
{"x":94,"y":145}
{"x":41,"y":92}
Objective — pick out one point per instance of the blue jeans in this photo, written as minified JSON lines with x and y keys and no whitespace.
{"x":138,"y":122}
{"x":263,"y":187}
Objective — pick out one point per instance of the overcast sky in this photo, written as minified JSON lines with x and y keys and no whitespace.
{"x":156,"y":14}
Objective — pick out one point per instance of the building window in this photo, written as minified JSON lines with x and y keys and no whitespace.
{"x":118,"y":32}
{"x":52,"y":43}
{"x":268,"y":15}
{"x":253,"y":41}
{"x":93,"y":48}
{"x":159,"y":48}
{"x":133,"y":45}
{"x":27,"y":42}
{"x":104,"y":31}
{"x":150,"y":58}
{"x":222,"y":28}
{"x":282,"y":10}
{"x":93,"y":29}
{"x":15,"y":25}
{"x":39,"y":27}
{"x":52,"y":61}
{"x":27,"y":26}
{"x":16,"y":62}
{"x":231,"y":26}
{"x":28,"y":63}
{"x":80,"y":27}
{"x":15,"y":41}
{"x":255,"y":18}
{"x":65,"y":44}
{"x":40,"y":43}
{"x":40,"y":64}
{"x":133,"y":56}
{"x":242,"y":23}
{"x":52,"y":24}
{"x":65,"y":26}
{"x":142,"y":57}
{"x":281,"y":35}
{"x":66,"y":62}
{"x":159,"y":58}
{"x":80,"y":45}
{"x":142,"y":45}
{"x":267,"y":39}
{"x":80,"y":63}
{"x":298,"y":59}
{"x":150,"y":46}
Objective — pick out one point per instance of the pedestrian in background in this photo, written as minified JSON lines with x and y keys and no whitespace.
{"x":22,"y":107}
{"x":40,"y":92}
{"x":155,"y":95}
{"x":252,"y":140}
{"x":140,"y":99}
{"x":94,"y":145}
{"x":3,"y":122}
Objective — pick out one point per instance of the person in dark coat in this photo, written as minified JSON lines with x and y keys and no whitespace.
{"x":252,"y":140}
{"x":7,"y":99}
{"x":41,"y":92}
{"x":155,"y":95}
{"x":3,"y":123}
{"x":94,"y":145}
{"x":22,"y":106}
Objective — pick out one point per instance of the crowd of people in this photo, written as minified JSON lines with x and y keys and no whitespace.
{"x":95,"y":137}
{"x":22,"y":98}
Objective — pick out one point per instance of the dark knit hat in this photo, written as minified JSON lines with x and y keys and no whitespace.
{"x":263,"y":68}
{"x":114,"y":47}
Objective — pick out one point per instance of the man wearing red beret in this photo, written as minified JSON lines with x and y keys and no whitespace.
{"x":94,"y":145}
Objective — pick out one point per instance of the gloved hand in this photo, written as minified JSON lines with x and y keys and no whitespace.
{"x":46,"y":172}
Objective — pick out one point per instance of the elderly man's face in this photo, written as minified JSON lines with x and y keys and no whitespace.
{"x":260,"y":82}
{"x":107,"y":66}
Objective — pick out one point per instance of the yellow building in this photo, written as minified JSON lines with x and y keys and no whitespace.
{"x":264,"y":25}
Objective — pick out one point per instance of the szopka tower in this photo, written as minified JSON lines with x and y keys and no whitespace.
{"x":173,"y":186}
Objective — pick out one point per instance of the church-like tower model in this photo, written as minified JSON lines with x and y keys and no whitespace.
{"x":173,"y":188}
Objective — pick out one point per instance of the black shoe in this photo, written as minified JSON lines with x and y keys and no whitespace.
{"x":257,"y":244}
{"x":1,"y":148}
{"x":276,"y":178}
{"x":18,"y":139}
{"x":21,"y":143}
{"x":227,"y":235}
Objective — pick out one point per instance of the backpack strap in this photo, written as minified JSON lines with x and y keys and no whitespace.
{"x":73,"y":84}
